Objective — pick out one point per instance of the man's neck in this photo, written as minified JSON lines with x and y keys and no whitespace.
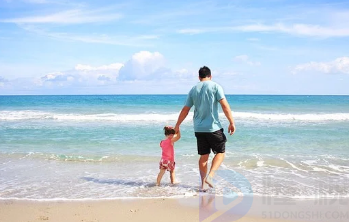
{"x":205,"y":79}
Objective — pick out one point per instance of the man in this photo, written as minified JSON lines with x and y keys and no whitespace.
{"x":205,"y":97}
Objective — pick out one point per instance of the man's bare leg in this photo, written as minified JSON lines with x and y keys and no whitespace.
{"x":203,"y":168}
{"x":216,"y":163}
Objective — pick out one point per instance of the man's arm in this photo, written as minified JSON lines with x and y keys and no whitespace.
{"x":184,"y":113}
{"x":227,"y":112}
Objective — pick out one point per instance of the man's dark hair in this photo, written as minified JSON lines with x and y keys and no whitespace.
{"x":204,"y":72}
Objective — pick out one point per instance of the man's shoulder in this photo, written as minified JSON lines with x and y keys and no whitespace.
{"x":215,"y":83}
{"x":208,"y":85}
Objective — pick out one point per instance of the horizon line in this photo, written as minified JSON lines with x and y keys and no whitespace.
{"x":159,"y":94}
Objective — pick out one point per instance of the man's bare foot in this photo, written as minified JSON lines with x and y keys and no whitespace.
{"x":204,"y":187}
{"x":209,"y":181}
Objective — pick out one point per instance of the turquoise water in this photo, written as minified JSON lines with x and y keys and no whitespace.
{"x":78,"y":147}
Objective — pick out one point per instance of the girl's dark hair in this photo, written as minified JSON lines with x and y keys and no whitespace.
{"x":169,"y":130}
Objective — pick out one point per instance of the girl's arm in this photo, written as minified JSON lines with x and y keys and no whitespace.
{"x":176,"y":137}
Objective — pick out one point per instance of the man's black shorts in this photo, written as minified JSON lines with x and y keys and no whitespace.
{"x":210,"y":140}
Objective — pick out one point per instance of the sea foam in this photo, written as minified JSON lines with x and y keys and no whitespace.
{"x":161,"y":117}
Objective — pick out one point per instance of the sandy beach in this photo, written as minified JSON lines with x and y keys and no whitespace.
{"x":202,"y":208}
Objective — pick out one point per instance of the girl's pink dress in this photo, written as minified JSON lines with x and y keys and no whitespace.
{"x":167,"y":158}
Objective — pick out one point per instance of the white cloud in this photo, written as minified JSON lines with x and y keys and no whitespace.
{"x":59,"y":2}
{"x":226,"y":74}
{"x":81,"y":76}
{"x":59,"y":79}
{"x":114,"y":66}
{"x":75,"y":16}
{"x":142,"y":66}
{"x":145,"y":72}
{"x":2,"y":81}
{"x":339,"y":65}
{"x":191,"y":31}
{"x":245,"y":59}
{"x":103,"y":39}
{"x":37,"y":1}
{"x":55,"y":77}
{"x":104,"y":73}
{"x":293,"y":29}
{"x":185,"y":74}
{"x":141,"y":40}
{"x":298,"y":29}
{"x":104,"y":78}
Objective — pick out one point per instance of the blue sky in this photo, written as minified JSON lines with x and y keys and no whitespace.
{"x":157,"y":47}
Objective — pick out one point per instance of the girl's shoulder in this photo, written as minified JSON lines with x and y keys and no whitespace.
{"x":165,"y":140}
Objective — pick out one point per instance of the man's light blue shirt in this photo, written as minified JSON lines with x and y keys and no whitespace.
{"x":205,"y":97}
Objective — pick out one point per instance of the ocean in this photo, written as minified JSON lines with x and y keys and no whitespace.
{"x":107,"y":147}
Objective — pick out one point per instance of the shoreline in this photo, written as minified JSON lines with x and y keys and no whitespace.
{"x":200,"y":208}
{"x":177,"y":197}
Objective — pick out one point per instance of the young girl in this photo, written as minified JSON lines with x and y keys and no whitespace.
{"x":167,"y":159}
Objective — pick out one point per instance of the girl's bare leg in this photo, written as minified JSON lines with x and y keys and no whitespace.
{"x":172,"y":176}
{"x":161,"y":173}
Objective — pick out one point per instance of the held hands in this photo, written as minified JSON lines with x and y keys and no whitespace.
{"x":176,"y":128}
{"x":231,"y":128}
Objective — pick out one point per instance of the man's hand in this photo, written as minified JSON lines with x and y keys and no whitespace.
{"x":231,"y":129}
{"x":227,"y":112}
{"x":176,"y":128}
